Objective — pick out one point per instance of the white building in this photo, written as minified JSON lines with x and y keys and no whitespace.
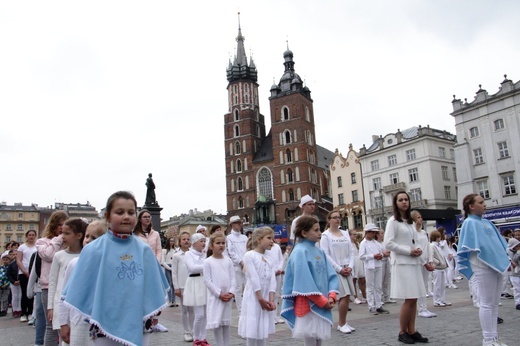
{"x":419,"y":160}
{"x":488,"y":144}
{"x":347,"y":189}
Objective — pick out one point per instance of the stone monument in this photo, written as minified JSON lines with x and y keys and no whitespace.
{"x":152,"y":205}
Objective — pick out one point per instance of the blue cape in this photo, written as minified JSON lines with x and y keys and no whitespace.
{"x":117,"y":284}
{"x":482,"y":237}
{"x":308,"y":273}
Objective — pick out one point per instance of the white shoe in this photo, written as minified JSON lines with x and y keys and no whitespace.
{"x":439,"y":304}
{"x":159,"y":328}
{"x":357,"y":301}
{"x":278,"y":320}
{"x":350,"y":327}
{"x":446,"y":303}
{"x":453,"y":286}
{"x":344,"y":329}
{"x":188,"y":337}
{"x":431,"y":313}
{"x":495,"y":342}
{"x":424,"y":314}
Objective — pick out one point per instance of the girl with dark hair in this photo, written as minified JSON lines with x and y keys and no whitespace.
{"x":23,"y":256}
{"x":166,"y":262}
{"x":406,"y":266}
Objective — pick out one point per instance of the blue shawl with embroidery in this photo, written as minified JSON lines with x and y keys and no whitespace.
{"x":117,"y":284}
{"x":308,"y":273}
{"x":482,"y":237}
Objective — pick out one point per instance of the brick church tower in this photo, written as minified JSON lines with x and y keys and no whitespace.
{"x":266,"y":175}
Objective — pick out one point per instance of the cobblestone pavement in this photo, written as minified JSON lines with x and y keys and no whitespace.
{"x":455,"y":325}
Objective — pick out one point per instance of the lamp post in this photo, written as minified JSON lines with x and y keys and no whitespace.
{"x":383,"y":218}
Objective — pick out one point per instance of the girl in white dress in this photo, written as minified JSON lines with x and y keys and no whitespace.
{"x":72,"y":234}
{"x":179,"y":276}
{"x":358,"y":275}
{"x":219,"y":277}
{"x":195,"y":289}
{"x":337,"y":245}
{"x":406,"y":266}
{"x":256,"y":318}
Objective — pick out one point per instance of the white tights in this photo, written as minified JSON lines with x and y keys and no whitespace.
{"x":199,"y":323}
{"x":188,"y":316}
{"x":489,"y":283}
{"x":311,"y":342}
{"x":255,"y":342}
{"x":221,"y":336}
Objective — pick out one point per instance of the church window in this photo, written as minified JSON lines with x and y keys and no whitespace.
{"x":290,"y":177}
{"x":236,"y":114}
{"x":265,"y":183}
{"x":240,"y":202}
{"x":288,"y":155}
{"x":307,"y":114}
{"x":239,"y":166}
{"x":240,"y":184}
{"x":237,"y":131}
{"x":291,"y":195}
{"x":287,"y":136}
{"x":237,"y":148}
{"x":285,"y":113}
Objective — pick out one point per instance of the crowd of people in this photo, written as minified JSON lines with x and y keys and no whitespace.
{"x":107,"y":282}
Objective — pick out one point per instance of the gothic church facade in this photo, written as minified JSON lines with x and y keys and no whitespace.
{"x":268,"y":172}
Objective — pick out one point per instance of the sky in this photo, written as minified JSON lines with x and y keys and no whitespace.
{"x":94,"y":95}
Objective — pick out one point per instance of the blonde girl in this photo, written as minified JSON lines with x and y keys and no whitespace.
{"x":256,"y":320}
{"x":179,"y":276}
{"x":47,"y":247}
{"x":219,"y":277}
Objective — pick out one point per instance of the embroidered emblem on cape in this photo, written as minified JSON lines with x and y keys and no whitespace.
{"x":129,"y":271}
{"x":319,"y":265}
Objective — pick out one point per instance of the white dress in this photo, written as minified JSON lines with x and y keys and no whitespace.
{"x":219,"y":277}
{"x":194,"y":291}
{"x":255,"y":323}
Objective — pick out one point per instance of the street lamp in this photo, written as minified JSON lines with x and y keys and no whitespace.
{"x":383,"y":218}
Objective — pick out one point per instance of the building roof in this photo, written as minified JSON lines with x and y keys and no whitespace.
{"x":18,"y":207}
{"x":405,"y":136}
{"x":325,"y":157}
{"x":265,"y":153}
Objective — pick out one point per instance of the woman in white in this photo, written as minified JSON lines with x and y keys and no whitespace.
{"x":406,"y":265}
{"x":337,"y":246}
{"x":426,"y":256}
{"x":166,"y":263}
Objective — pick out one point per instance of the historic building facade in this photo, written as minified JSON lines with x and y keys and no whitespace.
{"x":487,"y":149}
{"x":419,"y":160}
{"x":267,"y":173}
{"x":347,"y":189}
{"x":16,"y":220}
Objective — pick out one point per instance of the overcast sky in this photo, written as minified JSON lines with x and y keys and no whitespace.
{"x":94,"y":95}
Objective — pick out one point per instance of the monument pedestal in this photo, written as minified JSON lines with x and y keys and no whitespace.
{"x":155,"y":212}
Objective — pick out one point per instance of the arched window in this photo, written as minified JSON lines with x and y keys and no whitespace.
{"x":265,"y":183}
{"x":311,"y":156}
{"x":240,"y":202}
{"x":291,"y":195}
{"x":240,"y":185}
{"x":236,"y":114}
{"x":287,"y":136}
{"x":288,"y":155}
{"x":285,"y":113}
{"x":237,"y":131}
{"x":237,"y":148}
{"x":290,"y":178}
{"x":239,"y":166}
{"x":307,"y":114}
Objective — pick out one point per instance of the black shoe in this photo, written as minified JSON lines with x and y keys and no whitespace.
{"x":405,"y":338}
{"x":382,"y":311}
{"x":417,"y":337}
{"x":499,"y":320}
{"x":4,"y":313}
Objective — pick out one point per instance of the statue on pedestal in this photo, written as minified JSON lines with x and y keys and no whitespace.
{"x":150,"y":191}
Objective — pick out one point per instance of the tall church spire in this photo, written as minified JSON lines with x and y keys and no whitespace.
{"x":240,"y":69}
